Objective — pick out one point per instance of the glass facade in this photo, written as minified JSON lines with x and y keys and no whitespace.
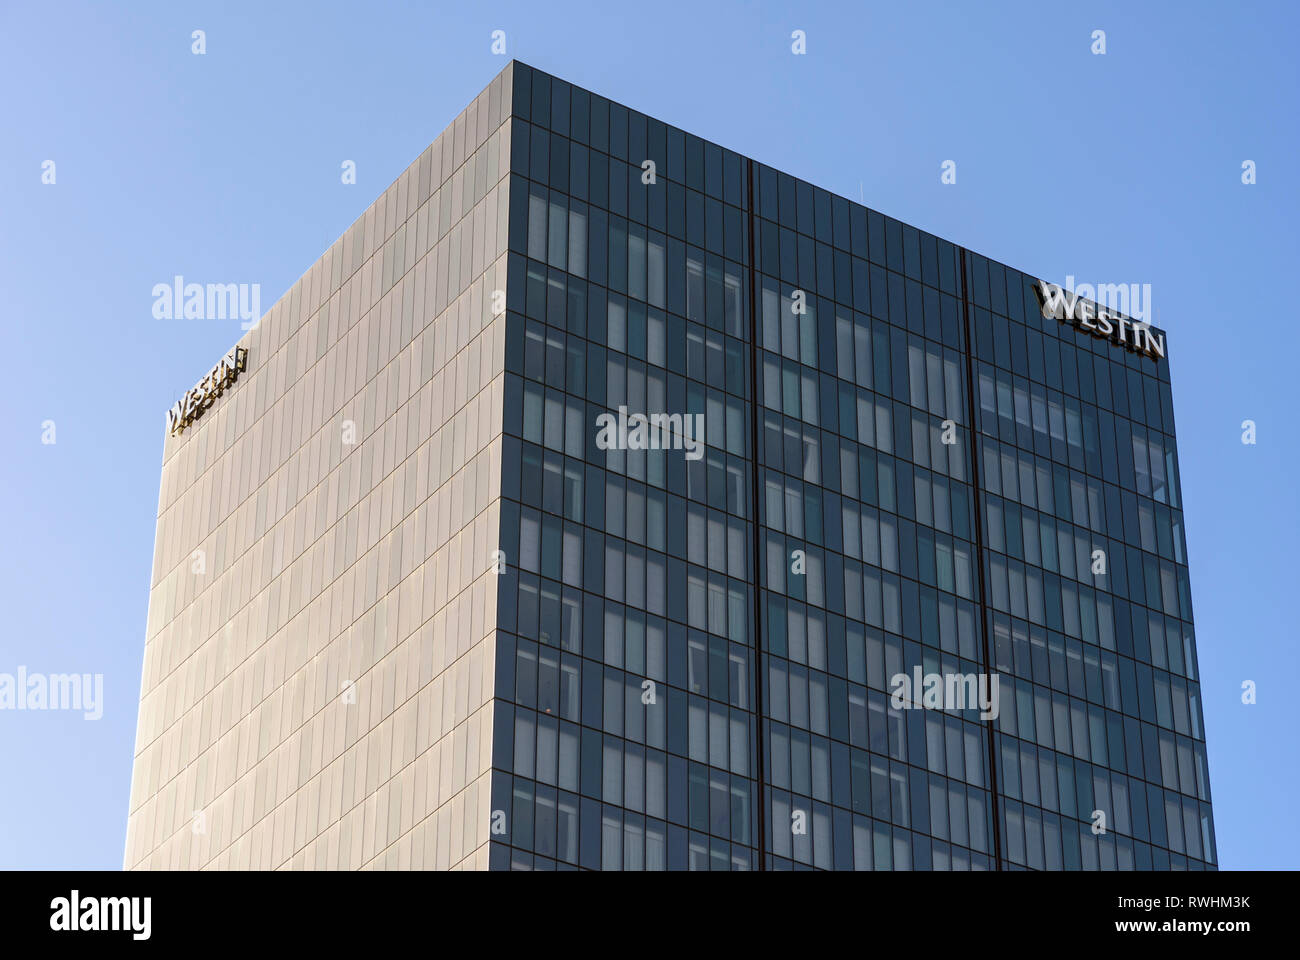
{"x":906,"y":468}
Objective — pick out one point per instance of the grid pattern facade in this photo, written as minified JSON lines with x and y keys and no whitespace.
{"x":906,"y":466}
{"x":319,"y":656}
{"x":479,"y":638}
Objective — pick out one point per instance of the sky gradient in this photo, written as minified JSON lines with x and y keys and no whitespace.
{"x":225,"y":168}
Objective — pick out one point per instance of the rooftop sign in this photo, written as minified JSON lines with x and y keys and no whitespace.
{"x":191,"y":406}
{"x":1088,"y":316}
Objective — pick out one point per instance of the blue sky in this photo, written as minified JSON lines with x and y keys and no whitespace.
{"x":225,"y":168}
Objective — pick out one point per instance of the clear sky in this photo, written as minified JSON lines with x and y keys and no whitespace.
{"x":225,"y":168}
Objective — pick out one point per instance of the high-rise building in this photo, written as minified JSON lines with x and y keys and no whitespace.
{"x":606,"y":499}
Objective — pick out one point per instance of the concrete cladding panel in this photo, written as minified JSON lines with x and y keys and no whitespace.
{"x":318,"y":670}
